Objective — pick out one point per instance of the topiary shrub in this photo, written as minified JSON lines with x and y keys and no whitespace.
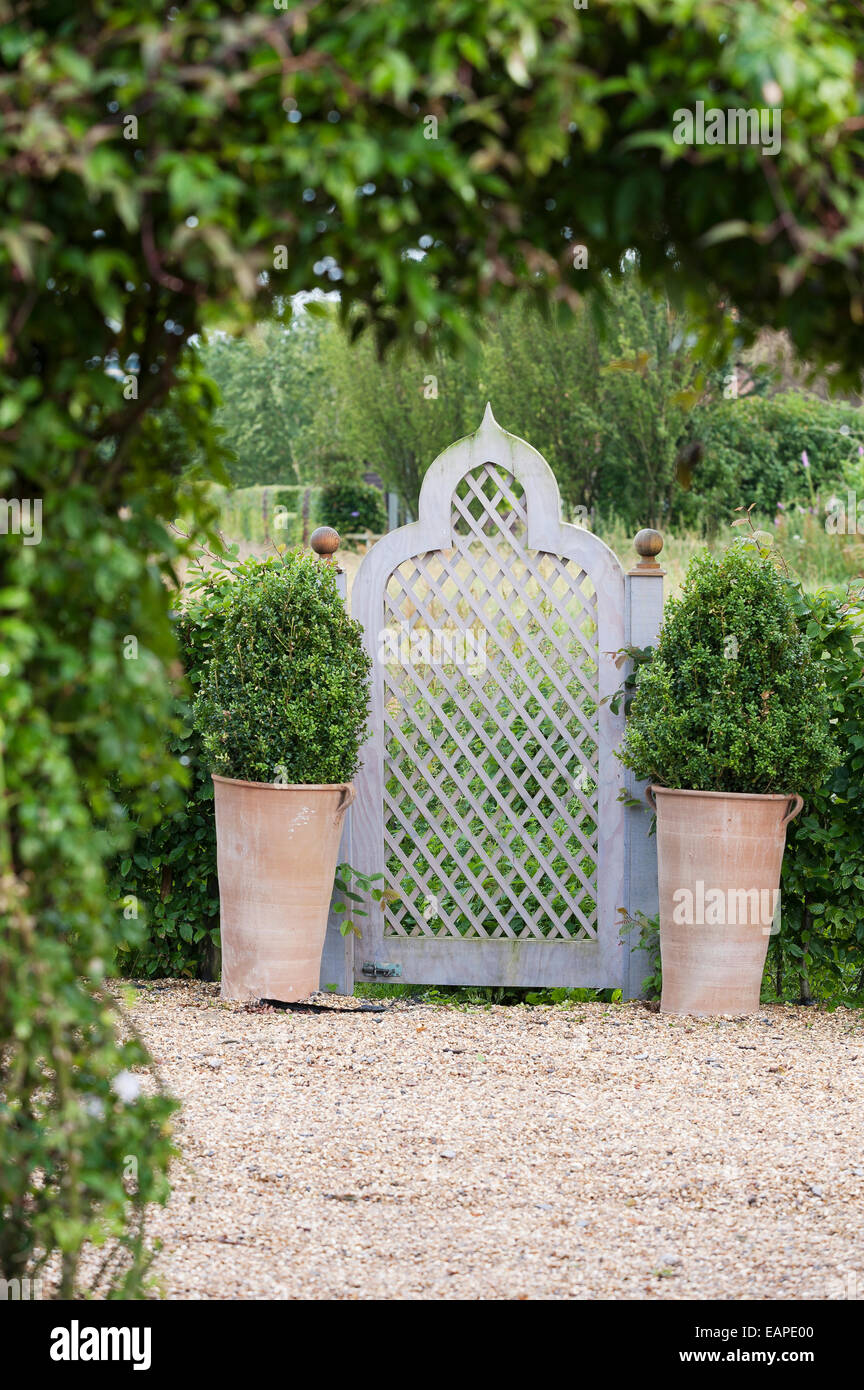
{"x":170,"y":870}
{"x":284,"y":694}
{"x":353,"y":507}
{"x":733,"y":698}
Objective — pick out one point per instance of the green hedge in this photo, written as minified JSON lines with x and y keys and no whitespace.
{"x":303,"y":511}
{"x":266,"y":514}
{"x":752,"y":453}
{"x":284,"y":687}
{"x":820,"y":949}
{"x":169,"y":879}
{"x":352,"y":507}
{"x":733,"y":698}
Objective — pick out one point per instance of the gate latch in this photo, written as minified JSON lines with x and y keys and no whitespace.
{"x":381,"y":970}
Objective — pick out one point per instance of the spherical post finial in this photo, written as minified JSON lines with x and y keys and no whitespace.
{"x":648,"y":543}
{"x":325,"y":542}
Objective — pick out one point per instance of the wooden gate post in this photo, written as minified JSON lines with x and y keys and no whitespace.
{"x":643,"y":615}
{"x":337,"y":961}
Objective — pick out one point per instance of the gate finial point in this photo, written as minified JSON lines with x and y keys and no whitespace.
{"x":648,"y":543}
{"x":325,"y":542}
{"x":488,"y":417}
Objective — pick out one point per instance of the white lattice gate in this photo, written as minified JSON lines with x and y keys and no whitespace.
{"x":489,"y":793}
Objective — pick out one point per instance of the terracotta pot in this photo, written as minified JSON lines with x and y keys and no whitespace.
{"x":719,"y":857}
{"x":277,"y":849}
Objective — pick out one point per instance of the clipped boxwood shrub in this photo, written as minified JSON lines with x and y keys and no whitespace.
{"x":353,"y":507}
{"x":733,"y":698}
{"x":285,"y":691}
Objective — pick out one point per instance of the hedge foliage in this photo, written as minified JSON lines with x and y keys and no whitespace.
{"x":168,"y":877}
{"x":756,"y":449}
{"x":85,"y":707}
{"x":352,"y":507}
{"x":821,"y":944}
{"x":818,"y":954}
{"x":733,"y":698}
{"x":297,"y":512}
{"x":267,"y":514}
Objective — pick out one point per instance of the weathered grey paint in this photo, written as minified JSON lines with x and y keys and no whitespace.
{"x":644,"y":612}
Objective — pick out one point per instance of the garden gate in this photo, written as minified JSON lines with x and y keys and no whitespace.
{"x":489,"y":791}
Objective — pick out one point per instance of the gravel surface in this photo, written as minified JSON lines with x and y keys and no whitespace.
{"x":404,"y":1150}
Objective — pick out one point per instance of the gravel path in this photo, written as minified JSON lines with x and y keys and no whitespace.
{"x":417,"y":1151}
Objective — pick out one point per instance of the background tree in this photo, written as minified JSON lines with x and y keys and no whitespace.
{"x":648,"y":390}
{"x":614,"y":396}
{"x":541,"y":373}
{"x":268,"y":383}
{"x":771,"y":451}
{"x":605,"y":395}
{"x":392,"y":416}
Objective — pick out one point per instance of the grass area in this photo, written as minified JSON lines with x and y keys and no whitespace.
{"x":812,"y":554}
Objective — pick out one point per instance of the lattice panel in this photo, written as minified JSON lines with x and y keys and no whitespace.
{"x":491,"y":737}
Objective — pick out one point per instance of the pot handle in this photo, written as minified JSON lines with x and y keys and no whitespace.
{"x":651,"y":798}
{"x":348,"y":796}
{"x":797,"y":804}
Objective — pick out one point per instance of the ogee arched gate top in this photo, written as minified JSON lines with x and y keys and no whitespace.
{"x":546,"y":528}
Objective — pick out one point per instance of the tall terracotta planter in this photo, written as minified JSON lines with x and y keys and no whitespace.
{"x":719,"y":858}
{"x":277,"y":849}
